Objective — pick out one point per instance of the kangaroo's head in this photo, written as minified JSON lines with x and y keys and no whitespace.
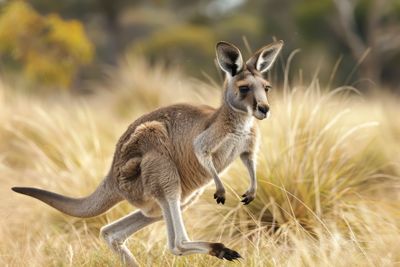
{"x":246,"y":89}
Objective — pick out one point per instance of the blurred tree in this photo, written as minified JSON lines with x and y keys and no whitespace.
{"x":371,"y":30}
{"x":47,"y":48}
{"x":106,"y":13}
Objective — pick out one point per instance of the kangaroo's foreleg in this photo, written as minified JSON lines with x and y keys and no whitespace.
{"x":116,"y":233}
{"x":205,"y":144}
{"x":178,"y":240}
{"x":248,"y":160}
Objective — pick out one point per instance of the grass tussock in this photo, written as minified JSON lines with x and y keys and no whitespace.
{"x":328,"y":173}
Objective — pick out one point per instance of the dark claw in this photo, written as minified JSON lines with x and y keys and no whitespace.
{"x":222,"y":252}
{"x":247,"y":199}
{"x":219,"y":199}
{"x":231,"y":255}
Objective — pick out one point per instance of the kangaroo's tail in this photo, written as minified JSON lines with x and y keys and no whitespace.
{"x":101,"y":200}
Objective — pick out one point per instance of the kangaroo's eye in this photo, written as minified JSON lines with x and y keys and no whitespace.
{"x":267,"y":88}
{"x":244,"y":89}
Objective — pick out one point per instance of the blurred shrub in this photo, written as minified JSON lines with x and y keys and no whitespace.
{"x":188,"y":44}
{"x":48,"y":49}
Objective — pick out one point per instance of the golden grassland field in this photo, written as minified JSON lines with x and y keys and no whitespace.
{"x":328,"y":174}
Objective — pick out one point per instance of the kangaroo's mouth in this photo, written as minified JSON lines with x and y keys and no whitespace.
{"x":260,"y":115}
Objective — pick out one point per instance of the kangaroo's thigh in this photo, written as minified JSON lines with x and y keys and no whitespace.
{"x":160,"y":176}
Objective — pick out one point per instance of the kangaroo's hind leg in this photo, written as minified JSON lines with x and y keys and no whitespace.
{"x":163,"y":182}
{"x":182,"y":245}
{"x":116,"y":233}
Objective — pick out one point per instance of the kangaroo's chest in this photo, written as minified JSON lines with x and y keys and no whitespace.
{"x":232,"y":146}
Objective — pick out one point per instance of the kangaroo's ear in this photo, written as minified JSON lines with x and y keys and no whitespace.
{"x":263,"y":59}
{"x":229,"y":58}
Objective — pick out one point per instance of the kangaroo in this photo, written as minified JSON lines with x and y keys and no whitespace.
{"x":166,"y":157}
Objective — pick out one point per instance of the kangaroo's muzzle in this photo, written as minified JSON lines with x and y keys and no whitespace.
{"x":261,"y":111}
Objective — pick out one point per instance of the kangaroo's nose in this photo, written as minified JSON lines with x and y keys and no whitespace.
{"x":263,"y":109}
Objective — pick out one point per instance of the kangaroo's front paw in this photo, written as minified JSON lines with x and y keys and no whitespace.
{"x":248,"y":197}
{"x":219,"y":196}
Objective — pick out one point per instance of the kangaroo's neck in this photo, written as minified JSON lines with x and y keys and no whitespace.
{"x":232,"y":119}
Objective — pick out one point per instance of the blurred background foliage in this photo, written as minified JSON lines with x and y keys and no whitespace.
{"x":45,"y":48}
{"x":63,"y":44}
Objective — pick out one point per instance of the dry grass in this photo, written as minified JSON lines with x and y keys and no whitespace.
{"x":328,"y":172}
